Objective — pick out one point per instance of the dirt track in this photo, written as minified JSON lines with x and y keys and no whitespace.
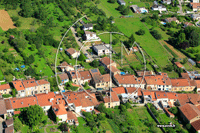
{"x":5,"y":21}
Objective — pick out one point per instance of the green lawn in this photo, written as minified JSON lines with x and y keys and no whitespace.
{"x":82,"y":128}
{"x":129,"y":26}
{"x":106,"y":126}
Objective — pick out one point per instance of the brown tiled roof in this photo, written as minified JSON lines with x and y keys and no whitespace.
{"x":139,"y":92}
{"x":180,"y":82}
{"x":71,"y":51}
{"x":119,"y":90}
{"x":190,"y":111}
{"x":114,"y":69}
{"x":101,"y":78}
{"x":23,"y":102}
{"x":178,"y":64}
{"x":194,"y":98}
{"x":153,"y":96}
{"x":188,"y":23}
{"x":72,"y":98}
{"x":192,"y":82}
{"x":97,"y":111}
{"x":63,"y":76}
{"x":44,"y":99}
{"x":172,"y":95}
{"x":59,"y":109}
{"x":157,"y":80}
{"x":146,"y":92}
{"x":85,"y":75}
{"x":126,"y":79}
{"x":131,"y":89}
{"x":9,"y":129}
{"x":195,"y":5}
{"x":87,"y":100}
{"x":142,"y":73}
{"x":9,"y":122}
{"x":196,"y":125}
{"x":172,"y":19}
{"x":29,"y":83}
{"x":17,"y":112}
{"x":185,"y":75}
{"x":18,"y":85}
{"x":114,"y":98}
{"x":8,"y":104}
{"x":161,"y":94}
{"x":2,"y":106}
{"x":74,"y":74}
{"x":71,"y":116}
{"x":183,"y":99}
{"x":4,"y":86}
{"x":42,"y":82}
{"x":106,"y":61}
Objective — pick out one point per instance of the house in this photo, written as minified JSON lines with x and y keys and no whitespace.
{"x":166,"y":2}
{"x":121,"y":2}
{"x":186,"y":24}
{"x":9,"y":108}
{"x":198,"y":85}
{"x":145,"y":73}
{"x":72,"y":53}
{"x":111,"y":99}
{"x":134,"y":49}
{"x":5,"y":89}
{"x":30,"y":86}
{"x":129,"y":81}
{"x":64,"y":67}
{"x":19,"y":88}
{"x":158,"y":82}
{"x":196,"y":125}
{"x":162,"y":98}
{"x":64,"y":78}
{"x":181,"y":85}
{"x":148,"y":96}
{"x":169,"y":114}
{"x":88,"y":26}
{"x":113,"y":70}
{"x":72,"y":119}
{"x":179,"y":65}
{"x":75,"y":77}
{"x":3,"y":112}
{"x":121,"y":92}
{"x":159,"y":8}
{"x":195,"y":6}
{"x":89,"y":36}
{"x":106,"y":62}
{"x":195,"y":16}
{"x":172,"y":98}
{"x":169,"y":20}
{"x":137,"y":9}
{"x":85,"y":77}
{"x":133,"y":94}
{"x":189,"y":113}
{"x":18,"y":103}
{"x":43,"y":86}
{"x":102,"y":49}
{"x":60,"y":111}
{"x":185,"y":98}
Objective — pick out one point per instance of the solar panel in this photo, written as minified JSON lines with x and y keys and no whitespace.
{"x":94,"y":70}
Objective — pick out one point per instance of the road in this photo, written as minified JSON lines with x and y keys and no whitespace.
{"x":85,"y":48}
{"x":180,"y":7}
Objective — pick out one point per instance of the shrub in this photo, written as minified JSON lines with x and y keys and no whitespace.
{"x":156,"y":35}
{"x":140,"y":32}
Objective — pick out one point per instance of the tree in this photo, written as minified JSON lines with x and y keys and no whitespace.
{"x":18,"y":23}
{"x":197,"y":57}
{"x":131,"y":40}
{"x":102,"y":108}
{"x":61,"y":18}
{"x":33,"y":47}
{"x":102,"y":70}
{"x":156,"y":35}
{"x":112,"y":1}
{"x":95,"y":63}
{"x":173,"y":110}
{"x":125,"y":11}
{"x":17,"y":124}
{"x":82,"y":57}
{"x":181,"y":38}
{"x":64,"y":126}
{"x":155,"y":16}
{"x":141,"y":32}
{"x":121,"y":7}
{"x":34,"y":115}
{"x":185,"y":60}
{"x":188,"y":126}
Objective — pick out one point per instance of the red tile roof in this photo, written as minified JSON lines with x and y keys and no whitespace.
{"x":196,"y":125}
{"x":29,"y":83}
{"x":180,"y":82}
{"x":71,"y":51}
{"x":190,"y":111}
{"x":197,"y":83}
{"x":183,"y":99}
{"x":131,"y":89}
{"x":195,"y":5}
{"x":139,"y":92}
{"x":113,"y":69}
{"x":172,"y":95}
{"x":59,"y":109}
{"x":119,"y":90}
{"x":71,"y":116}
{"x":106,"y":61}
{"x":8,"y":104}
{"x":44,"y":99}
{"x":18,"y":85}
{"x":157,"y":80}
{"x":42,"y":82}
{"x":146,"y":92}
{"x":126,"y":79}
{"x":87,"y":100}
{"x":185,"y":75}
{"x":161,"y":94}
{"x":153,"y":96}
{"x":114,"y":98}
{"x":74,"y":74}
{"x":63,"y":77}
{"x":72,"y":98}
{"x":23,"y":102}
{"x":85,"y":75}
{"x":4,"y":86}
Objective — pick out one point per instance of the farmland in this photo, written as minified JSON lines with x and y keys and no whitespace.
{"x":5,"y":20}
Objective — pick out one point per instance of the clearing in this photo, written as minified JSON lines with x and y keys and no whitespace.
{"x":5,"y":21}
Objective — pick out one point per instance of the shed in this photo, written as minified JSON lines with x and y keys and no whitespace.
{"x":192,"y":62}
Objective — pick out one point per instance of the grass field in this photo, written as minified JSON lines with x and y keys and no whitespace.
{"x":140,"y":114}
{"x":129,"y":26}
{"x":106,"y":126}
{"x":82,"y":128}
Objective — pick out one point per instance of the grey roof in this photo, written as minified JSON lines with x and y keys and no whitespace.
{"x":101,"y":47}
{"x":121,"y":1}
{"x":156,"y":6}
{"x":88,"y":25}
{"x":2,"y":107}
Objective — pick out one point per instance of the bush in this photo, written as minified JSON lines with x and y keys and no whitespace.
{"x":17,"y":124}
{"x":14,"y":18}
{"x":6,"y":95}
{"x":18,"y":24}
{"x":155,"y":34}
{"x":140,"y":32}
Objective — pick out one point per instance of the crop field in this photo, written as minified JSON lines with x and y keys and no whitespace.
{"x":5,"y":20}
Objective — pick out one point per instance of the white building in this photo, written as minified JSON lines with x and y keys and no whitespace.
{"x":195,"y":16}
{"x":102,"y":49}
{"x":72,"y":52}
{"x":166,"y":2}
{"x":91,"y":36}
{"x":121,"y":2}
{"x":159,"y":8}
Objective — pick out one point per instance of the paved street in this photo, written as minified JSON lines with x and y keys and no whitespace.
{"x":84,"y":49}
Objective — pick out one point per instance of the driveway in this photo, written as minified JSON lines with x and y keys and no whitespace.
{"x":85,"y":48}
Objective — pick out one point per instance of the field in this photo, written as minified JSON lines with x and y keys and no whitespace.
{"x":5,"y":21}
{"x":147,"y":41}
